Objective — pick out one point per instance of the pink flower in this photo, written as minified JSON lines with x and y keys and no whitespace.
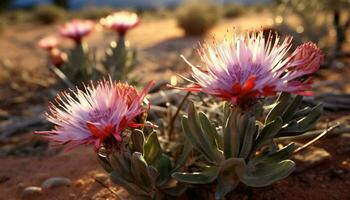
{"x":121,"y":21}
{"x":57,"y":57}
{"x":77,"y":29}
{"x":248,"y":67}
{"x":95,"y":115}
{"x":48,"y":43}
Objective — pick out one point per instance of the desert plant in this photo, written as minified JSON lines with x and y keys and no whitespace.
{"x":48,"y":14}
{"x":244,"y":150}
{"x":197,"y":17}
{"x":62,"y":3}
{"x":232,"y":10}
{"x":120,"y":58}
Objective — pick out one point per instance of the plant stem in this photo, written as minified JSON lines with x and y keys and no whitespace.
{"x":172,"y":121}
{"x":316,"y":138}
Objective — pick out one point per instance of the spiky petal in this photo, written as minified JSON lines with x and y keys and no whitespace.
{"x":248,"y":67}
{"x":77,"y":29}
{"x":93,"y":115}
{"x":120,"y":22}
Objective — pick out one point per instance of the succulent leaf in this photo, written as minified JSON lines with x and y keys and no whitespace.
{"x":269,"y":131}
{"x":206,"y":176}
{"x":231,"y":136}
{"x":139,"y":170}
{"x":151,"y":148}
{"x":138,"y":140}
{"x":186,"y":150}
{"x":292,"y":108}
{"x":130,"y":187}
{"x":228,"y":177}
{"x":247,"y":143}
{"x":267,"y":174}
{"x":279,"y":108}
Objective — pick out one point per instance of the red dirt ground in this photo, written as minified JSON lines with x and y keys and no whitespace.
{"x":158,"y":51}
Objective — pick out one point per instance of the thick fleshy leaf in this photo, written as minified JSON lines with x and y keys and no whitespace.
{"x":130,"y":187}
{"x":269,"y":132}
{"x":139,"y":170}
{"x":181,"y":160}
{"x":228,"y":178}
{"x":273,"y":157}
{"x":121,"y":164}
{"x":151,"y":148}
{"x":138,"y":140}
{"x":264,"y":175}
{"x":232,"y":136}
{"x":279,"y":108}
{"x":163,"y":166}
{"x":247,"y":142}
{"x":206,"y":176}
{"x":210,"y":130}
{"x":104,"y":163}
{"x":292,"y":108}
{"x":204,"y":139}
{"x":304,"y":124}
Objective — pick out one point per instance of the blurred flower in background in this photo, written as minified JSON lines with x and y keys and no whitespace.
{"x":120,"y":22}
{"x":57,"y":57}
{"x":49,"y":42}
{"x":77,"y":29}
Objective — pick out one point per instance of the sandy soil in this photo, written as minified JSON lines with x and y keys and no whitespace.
{"x":160,"y":43}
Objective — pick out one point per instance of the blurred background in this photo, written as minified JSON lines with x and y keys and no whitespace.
{"x":168,"y":29}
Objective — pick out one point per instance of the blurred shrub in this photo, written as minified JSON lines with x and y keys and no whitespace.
{"x":2,"y":26}
{"x":16,"y":16}
{"x":61,"y":3}
{"x":197,"y":17}
{"x":95,"y":13}
{"x":233,"y":10}
{"x":48,"y":14}
{"x":4,"y":4}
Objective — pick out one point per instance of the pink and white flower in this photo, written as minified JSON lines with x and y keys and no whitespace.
{"x":48,"y":43}
{"x":57,"y":57}
{"x":77,"y":29}
{"x":120,"y":22}
{"x":91,"y":116}
{"x":249,"y":66}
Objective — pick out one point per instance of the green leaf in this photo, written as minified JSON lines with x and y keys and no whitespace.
{"x":279,"y":108}
{"x":139,"y":170}
{"x":130,"y":187}
{"x":163,"y":166}
{"x":121,"y":164}
{"x":210,"y":130}
{"x":151,"y":148}
{"x":138,"y":140}
{"x":206,"y":176}
{"x":269,"y":132}
{"x":248,"y":135}
{"x":264,"y":175}
{"x":186,"y":150}
{"x":231,"y":136}
{"x":104,"y":163}
{"x":292,"y":108}
{"x":203,"y":139}
{"x":273,"y":157}
{"x":228,"y":178}
{"x":304,"y":124}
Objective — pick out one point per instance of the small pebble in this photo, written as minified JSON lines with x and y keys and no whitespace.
{"x":56,"y":182}
{"x":101,"y":177}
{"x":31,"y":191}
